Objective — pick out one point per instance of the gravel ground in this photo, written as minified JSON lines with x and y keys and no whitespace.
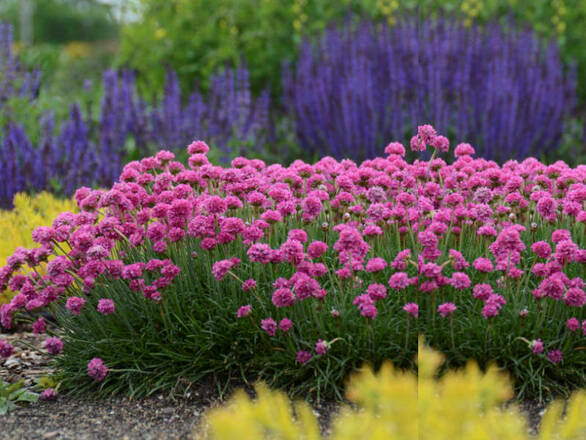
{"x":154,"y":417}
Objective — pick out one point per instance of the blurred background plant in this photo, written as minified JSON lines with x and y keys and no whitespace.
{"x":392,"y":404}
{"x":207,"y":69}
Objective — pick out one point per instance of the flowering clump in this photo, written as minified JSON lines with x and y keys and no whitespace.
{"x":363,"y":255}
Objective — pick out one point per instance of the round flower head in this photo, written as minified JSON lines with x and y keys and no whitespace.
{"x":537,"y":346}
{"x":39,"y":326}
{"x":412,"y":309}
{"x":303,"y":357}
{"x":321,"y":347}
{"x":573,"y":324}
{"x":49,"y":394}
{"x":106,"y":306}
{"x":446,"y":309}
{"x":6,"y":349}
{"x":54,"y":345}
{"x":74,"y":304}
{"x":285,"y":325}
{"x":96,"y":369}
{"x":269,"y":325}
{"x":555,"y":356}
{"x":244,"y":311}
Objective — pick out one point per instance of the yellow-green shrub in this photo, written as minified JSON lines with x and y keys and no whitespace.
{"x":396,"y":405}
{"x":16,"y":225}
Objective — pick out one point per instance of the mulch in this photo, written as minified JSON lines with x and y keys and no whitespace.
{"x":153,"y":417}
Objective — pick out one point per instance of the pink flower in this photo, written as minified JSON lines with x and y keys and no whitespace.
{"x":106,"y":306}
{"x":96,"y":369}
{"x":248,"y":285}
{"x":464,"y":150}
{"x":395,"y":148}
{"x":283,"y":297}
{"x":537,"y":346}
{"x":285,"y":325}
{"x":427,"y":133}
{"x":555,"y":356}
{"x":74,"y":304}
{"x":573,"y":324}
{"x":321,"y":347}
{"x":376,"y":291}
{"x":303,"y":357}
{"x":316,"y":249}
{"x":376,"y":265}
{"x":269,"y":325}
{"x":446,"y":309}
{"x":399,"y":281}
{"x":460,"y":280}
{"x":490,"y":311}
{"x":483,"y":265}
{"x":244,"y":311}
{"x":222,"y":267}
{"x":482,"y":291}
{"x":6,"y":349}
{"x":39,"y":326}
{"x":369,"y":311}
{"x":412,"y":309}
{"x":542,"y":249}
{"x":440,"y":143}
{"x":49,"y":394}
{"x":54,"y":345}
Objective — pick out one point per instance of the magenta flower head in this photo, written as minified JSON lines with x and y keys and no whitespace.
{"x":54,"y":345}
{"x":321,"y":347}
{"x":573,"y":324}
{"x":244,"y":311}
{"x":537,"y":346}
{"x":411,"y":309}
{"x":269,"y":325}
{"x":395,"y":148}
{"x":74,"y":304}
{"x":464,"y":150}
{"x":6,"y":349}
{"x":426,"y":133}
{"x":248,"y":285}
{"x":555,"y":356}
{"x":96,"y":369}
{"x":441,"y":143}
{"x":446,"y":309}
{"x":285,"y":325}
{"x":303,"y":357}
{"x":106,"y":306}
{"x":39,"y":326}
{"x":49,"y":394}
{"x":369,"y":311}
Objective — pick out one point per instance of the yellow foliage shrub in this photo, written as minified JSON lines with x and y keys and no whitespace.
{"x":17,"y":224}
{"x":464,"y":404}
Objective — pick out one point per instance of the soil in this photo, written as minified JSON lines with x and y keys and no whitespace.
{"x":153,"y":417}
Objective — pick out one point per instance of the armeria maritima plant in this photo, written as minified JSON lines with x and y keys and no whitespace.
{"x":297,"y":275}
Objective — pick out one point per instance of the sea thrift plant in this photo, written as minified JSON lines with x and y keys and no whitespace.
{"x":299,"y":274}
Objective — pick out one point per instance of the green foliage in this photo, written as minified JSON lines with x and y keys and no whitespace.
{"x":195,"y":37}
{"x":10,"y":394}
{"x":60,"y":21}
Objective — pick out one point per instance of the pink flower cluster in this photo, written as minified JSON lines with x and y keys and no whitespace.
{"x":380,"y":232}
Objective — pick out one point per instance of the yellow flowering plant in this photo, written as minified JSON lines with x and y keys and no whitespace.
{"x":392,"y":404}
{"x":17,"y":224}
